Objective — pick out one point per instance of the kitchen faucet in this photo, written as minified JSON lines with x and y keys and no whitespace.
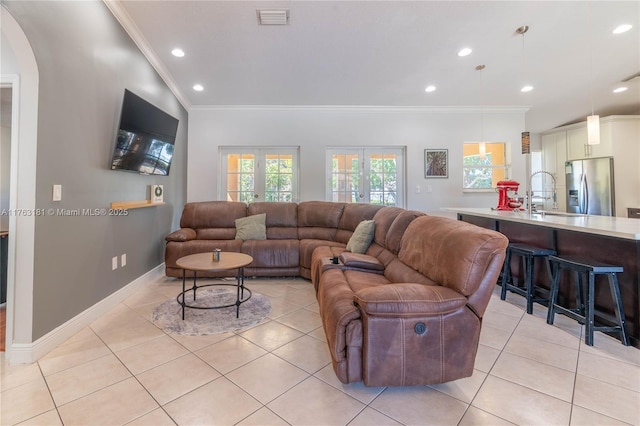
{"x":530,"y":193}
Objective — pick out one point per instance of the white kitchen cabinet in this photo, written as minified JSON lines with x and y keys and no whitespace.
{"x":548,"y":144}
{"x":577,"y":147}
{"x":577,"y":143}
{"x":619,"y":138}
{"x":554,"y":155}
{"x":625,"y":134}
{"x":605,"y":148}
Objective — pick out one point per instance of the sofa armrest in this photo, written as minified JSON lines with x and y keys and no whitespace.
{"x":183,"y":234}
{"x":408,"y":299}
{"x":361,"y":261}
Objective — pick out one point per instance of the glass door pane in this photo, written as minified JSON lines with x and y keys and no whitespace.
{"x":345,"y":178}
{"x":241,"y":170}
{"x":278,"y":177}
{"x":383,"y":179}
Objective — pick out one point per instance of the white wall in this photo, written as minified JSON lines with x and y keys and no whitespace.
{"x":316,"y":128}
{"x":5,"y":164}
{"x":19,"y":70}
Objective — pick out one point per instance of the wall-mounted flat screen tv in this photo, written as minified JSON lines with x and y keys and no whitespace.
{"x":145,"y":139}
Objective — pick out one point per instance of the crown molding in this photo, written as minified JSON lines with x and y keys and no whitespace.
{"x":123,"y":17}
{"x":366,"y":108}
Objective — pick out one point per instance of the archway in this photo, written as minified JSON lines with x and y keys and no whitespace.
{"x":20,"y":72}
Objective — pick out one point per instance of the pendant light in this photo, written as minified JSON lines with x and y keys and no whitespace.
{"x":593,"y":121}
{"x":593,"y":129}
{"x":525,"y":140}
{"x":482,"y":146}
{"x":524,"y":136}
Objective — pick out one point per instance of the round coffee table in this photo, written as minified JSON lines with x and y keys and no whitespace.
{"x":204,"y":262}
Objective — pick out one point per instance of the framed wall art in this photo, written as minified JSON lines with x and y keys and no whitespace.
{"x":436,"y":163}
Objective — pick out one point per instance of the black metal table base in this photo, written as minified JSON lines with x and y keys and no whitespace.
{"x":240,"y":293}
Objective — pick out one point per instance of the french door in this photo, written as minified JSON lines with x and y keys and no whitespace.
{"x":366,"y":175}
{"x":259,"y":174}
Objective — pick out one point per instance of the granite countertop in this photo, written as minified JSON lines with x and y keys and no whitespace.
{"x":619,"y":227}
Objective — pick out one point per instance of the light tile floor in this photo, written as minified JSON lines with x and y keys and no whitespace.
{"x":124,"y":370}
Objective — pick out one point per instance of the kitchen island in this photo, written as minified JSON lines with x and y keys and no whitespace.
{"x":614,"y":240}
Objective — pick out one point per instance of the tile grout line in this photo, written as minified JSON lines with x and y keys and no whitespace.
{"x":575,"y":375}
{"x":520,"y":320}
{"x":190,"y":352}
{"x":470,"y":404}
{"x":55,"y":405}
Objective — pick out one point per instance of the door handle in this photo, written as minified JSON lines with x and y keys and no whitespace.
{"x":586,"y":195}
{"x":581,"y":195}
{"x":256,"y":196}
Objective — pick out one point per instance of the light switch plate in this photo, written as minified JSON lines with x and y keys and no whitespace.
{"x":57,"y":192}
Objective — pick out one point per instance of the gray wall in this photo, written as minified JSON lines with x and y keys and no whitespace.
{"x":86,"y":60}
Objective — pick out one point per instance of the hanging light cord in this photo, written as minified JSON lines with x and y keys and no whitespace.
{"x":591,"y":53}
{"x":524,"y":65}
{"x":524,"y":68}
{"x":480,"y":68}
{"x":481,"y":107}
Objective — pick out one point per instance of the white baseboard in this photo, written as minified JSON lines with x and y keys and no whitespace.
{"x":27,"y":353}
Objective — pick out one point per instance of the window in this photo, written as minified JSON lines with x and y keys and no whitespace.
{"x":259,"y":174}
{"x":483,"y":172}
{"x":369,"y":175}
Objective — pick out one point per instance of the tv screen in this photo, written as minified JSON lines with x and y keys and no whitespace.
{"x":145,"y":139}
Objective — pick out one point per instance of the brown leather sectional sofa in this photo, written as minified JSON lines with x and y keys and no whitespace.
{"x":407,"y":312}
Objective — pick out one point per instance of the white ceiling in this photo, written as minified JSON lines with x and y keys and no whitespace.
{"x":384,"y":53}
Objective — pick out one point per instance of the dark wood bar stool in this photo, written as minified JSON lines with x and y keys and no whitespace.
{"x":528,"y":253}
{"x":585,"y":314}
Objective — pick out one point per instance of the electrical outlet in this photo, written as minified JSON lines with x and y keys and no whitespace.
{"x":417,"y":189}
{"x":114,"y":263}
{"x":123,"y":260}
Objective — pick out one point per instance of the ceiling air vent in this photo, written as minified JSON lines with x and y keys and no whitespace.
{"x":273,"y":16}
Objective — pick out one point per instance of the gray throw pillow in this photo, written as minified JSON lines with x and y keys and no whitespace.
{"x":362,"y":237}
{"x":251,"y":227}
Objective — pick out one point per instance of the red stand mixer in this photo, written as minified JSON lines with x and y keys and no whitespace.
{"x":508,"y":195}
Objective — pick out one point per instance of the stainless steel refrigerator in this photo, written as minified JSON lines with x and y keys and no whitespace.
{"x":590,"y":187}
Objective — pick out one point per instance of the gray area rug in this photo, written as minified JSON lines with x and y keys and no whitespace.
{"x":198,"y":322}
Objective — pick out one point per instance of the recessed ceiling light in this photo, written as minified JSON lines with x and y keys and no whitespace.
{"x":619,"y":89}
{"x":526,"y":89}
{"x":430,"y":88}
{"x":464,"y":52}
{"x":622,"y":29}
{"x":198,"y":87}
{"x":178,"y":53}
